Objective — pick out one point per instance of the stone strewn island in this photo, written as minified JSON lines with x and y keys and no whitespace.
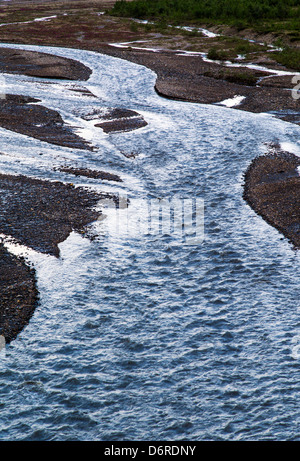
{"x":42,"y":65}
{"x":23,"y":115}
{"x":272,"y":189}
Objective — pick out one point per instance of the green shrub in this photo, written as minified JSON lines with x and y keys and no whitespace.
{"x":243,"y":48}
{"x":134,"y":27}
{"x":242,"y":78}
{"x":216,"y":55}
{"x":288,"y":57}
{"x":240,"y":11}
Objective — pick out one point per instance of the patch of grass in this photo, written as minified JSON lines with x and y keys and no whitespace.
{"x":230,"y":47}
{"x":190,"y":33}
{"x":134,"y":27}
{"x":294,"y":36}
{"x":288,"y":57}
{"x":217,"y":55}
{"x":147,"y":27}
{"x":240,"y":77}
{"x":278,"y":43}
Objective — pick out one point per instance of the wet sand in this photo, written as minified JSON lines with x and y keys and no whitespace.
{"x":121,"y":120}
{"x":116,"y":119}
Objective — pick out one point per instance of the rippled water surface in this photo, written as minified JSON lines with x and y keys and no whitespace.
{"x":138,"y":338}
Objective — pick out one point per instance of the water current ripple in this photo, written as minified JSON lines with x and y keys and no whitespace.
{"x":137,"y":338}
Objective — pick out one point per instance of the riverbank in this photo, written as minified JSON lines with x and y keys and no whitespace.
{"x":190,"y":78}
{"x":40,"y":215}
{"x":18,"y":294}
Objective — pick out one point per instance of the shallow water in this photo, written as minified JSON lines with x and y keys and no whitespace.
{"x":143,"y":336}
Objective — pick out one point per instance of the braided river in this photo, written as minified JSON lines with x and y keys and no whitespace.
{"x":145,"y":335}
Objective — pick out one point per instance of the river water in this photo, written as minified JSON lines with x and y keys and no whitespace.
{"x":147,"y":336}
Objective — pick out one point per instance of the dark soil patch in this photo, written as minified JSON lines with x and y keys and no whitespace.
{"x":122,"y":125}
{"x":272,"y":189}
{"x":83,"y":91}
{"x":116,"y":119}
{"x":268,"y":99}
{"x":132,"y":155}
{"x":17,"y":114}
{"x":278,"y":81}
{"x":118,"y":113}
